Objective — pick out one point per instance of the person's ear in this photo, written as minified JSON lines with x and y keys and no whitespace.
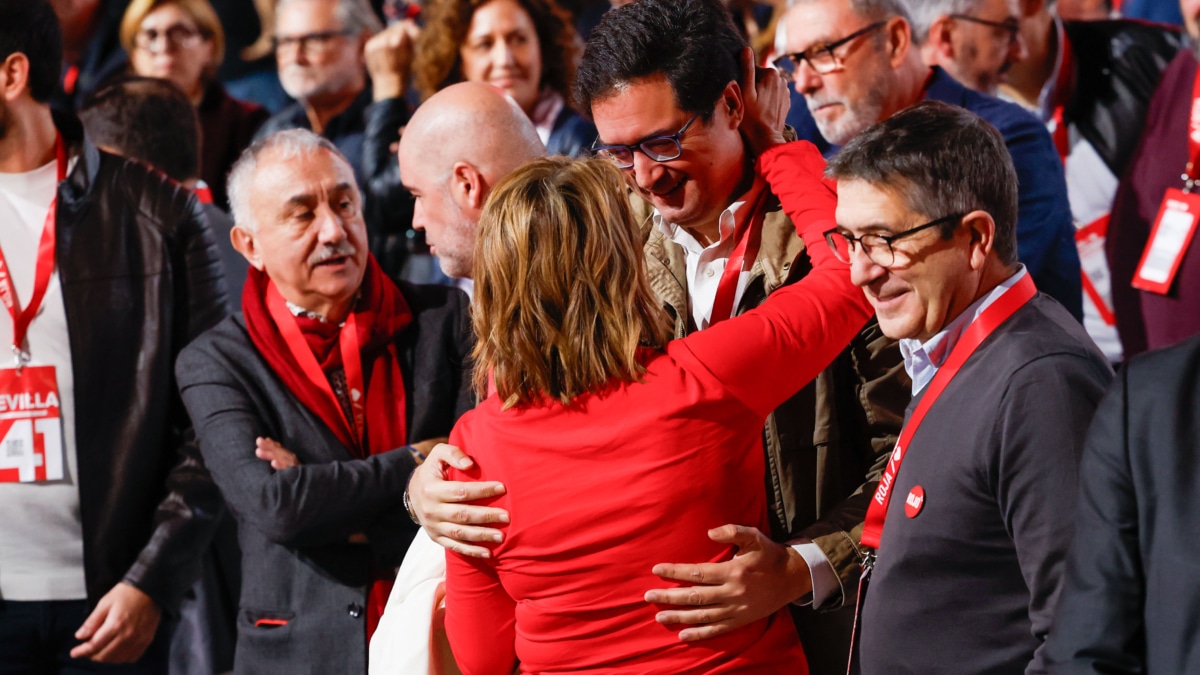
{"x":735,"y":105}
{"x":467,"y":186}
{"x":246,"y":243}
{"x":981,"y":230}
{"x":14,"y":76}
{"x":941,"y":37}
{"x":899,"y":41}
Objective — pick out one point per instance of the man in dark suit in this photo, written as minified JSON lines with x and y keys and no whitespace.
{"x":1129,"y":596}
{"x":355,"y":377}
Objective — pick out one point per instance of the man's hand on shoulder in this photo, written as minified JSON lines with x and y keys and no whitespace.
{"x":438,"y":504}
{"x":763,"y":577}
{"x":120,"y":628}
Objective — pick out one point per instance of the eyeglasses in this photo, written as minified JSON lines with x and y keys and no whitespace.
{"x":878,"y":247}
{"x":176,"y":35}
{"x":657,"y":148}
{"x":821,"y":58}
{"x":309,"y":43}
{"x":1010,"y":25}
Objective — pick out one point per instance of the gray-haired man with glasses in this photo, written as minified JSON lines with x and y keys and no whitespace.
{"x":976,"y":41}
{"x":856,"y":63}
{"x":967,"y":531}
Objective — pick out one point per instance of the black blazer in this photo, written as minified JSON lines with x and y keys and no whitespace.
{"x":298,"y":566}
{"x":1131,"y":599}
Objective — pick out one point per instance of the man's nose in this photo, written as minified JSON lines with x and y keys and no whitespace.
{"x":1016,"y":49}
{"x":330,"y":227}
{"x":806,"y":79}
{"x":863,"y":270}
{"x":647,"y":173}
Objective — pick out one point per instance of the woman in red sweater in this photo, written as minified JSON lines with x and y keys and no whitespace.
{"x":617,"y":447}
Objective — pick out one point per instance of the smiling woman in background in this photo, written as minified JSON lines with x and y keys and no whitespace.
{"x":181,"y":41}
{"x":526,"y":48}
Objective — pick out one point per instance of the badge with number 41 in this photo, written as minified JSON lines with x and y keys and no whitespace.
{"x":31,"y":449}
{"x":1169,"y":239}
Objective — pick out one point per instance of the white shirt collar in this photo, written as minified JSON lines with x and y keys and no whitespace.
{"x":922,"y":360}
{"x":726,"y":223}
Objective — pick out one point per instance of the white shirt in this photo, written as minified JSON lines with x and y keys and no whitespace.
{"x":921,"y":362}
{"x":706,"y":264}
{"x":41,"y":535}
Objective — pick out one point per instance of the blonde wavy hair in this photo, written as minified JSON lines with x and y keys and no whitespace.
{"x":562,"y":304}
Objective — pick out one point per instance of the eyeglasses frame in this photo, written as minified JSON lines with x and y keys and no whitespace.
{"x":1010,"y":24}
{"x":302,"y":42}
{"x":889,"y":240}
{"x":676,"y":138}
{"x":190,"y":33}
{"x":807,"y":55}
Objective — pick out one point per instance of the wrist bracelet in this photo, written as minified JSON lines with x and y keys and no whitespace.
{"x":408,"y":506}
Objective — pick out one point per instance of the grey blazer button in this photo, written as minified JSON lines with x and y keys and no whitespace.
{"x":355,"y":610}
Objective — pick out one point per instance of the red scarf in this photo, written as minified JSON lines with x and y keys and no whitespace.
{"x":379,"y":316}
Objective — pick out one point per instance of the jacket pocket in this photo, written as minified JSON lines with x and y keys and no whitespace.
{"x":264,"y":636}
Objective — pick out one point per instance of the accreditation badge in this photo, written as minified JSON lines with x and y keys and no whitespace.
{"x":1169,"y":239}
{"x":31,"y":447}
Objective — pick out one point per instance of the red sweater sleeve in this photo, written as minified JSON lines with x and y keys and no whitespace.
{"x":480,"y":617}
{"x":796,"y":174}
{"x":769,"y":353}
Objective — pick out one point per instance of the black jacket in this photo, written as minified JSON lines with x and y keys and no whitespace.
{"x":140,"y":278}
{"x":1129,"y":600}
{"x":298,"y":566}
{"x":1117,"y":68}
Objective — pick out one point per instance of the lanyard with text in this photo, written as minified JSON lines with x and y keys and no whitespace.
{"x":979,"y":330}
{"x":745,"y":252}
{"x":1178,"y":215}
{"x":348,"y":343}
{"x":42,"y":272}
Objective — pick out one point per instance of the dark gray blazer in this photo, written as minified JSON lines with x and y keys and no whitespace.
{"x":294,"y":525}
{"x":1131,"y":599}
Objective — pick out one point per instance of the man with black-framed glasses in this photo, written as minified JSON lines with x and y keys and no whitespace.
{"x":968,"y":526}
{"x":977,"y":42}
{"x":859,"y":82}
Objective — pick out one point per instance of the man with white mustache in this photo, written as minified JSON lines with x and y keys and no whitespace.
{"x":857,"y":64}
{"x":355,"y":376}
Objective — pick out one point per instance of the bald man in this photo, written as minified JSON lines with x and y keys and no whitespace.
{"x":456,"y":147}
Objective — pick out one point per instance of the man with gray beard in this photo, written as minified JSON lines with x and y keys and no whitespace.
{"x":855,"y":63}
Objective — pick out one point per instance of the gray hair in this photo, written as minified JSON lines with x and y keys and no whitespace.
{"x":941,"y":160}
{"x":872,"y":10}
{"x":355,"y":16}
{"x":290,"y":144}
{"x":925,"y":12}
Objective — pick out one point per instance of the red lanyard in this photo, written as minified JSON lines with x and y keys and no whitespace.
{"x":351,"y":362}
{"x":979,"y":330}
{"x":1191,"y":174}
{"x":1062,"y":95}
{"x":42,"y":272}
{"x":745,"y":252}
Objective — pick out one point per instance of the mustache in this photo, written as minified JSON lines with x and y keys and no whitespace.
{"x":342,"y":250}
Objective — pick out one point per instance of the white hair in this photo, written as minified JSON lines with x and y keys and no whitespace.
{"x":925,"y":12}
{"x":290,"y":144}
{"x":872,"y":10}
{"x":355,"y":16}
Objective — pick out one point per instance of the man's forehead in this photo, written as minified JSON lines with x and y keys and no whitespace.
{"x":637,"y":109}
{"x":865,"y":207}
{"x":305,"y":15}
{"x":817,"y":22}
{"x":280,"y":175}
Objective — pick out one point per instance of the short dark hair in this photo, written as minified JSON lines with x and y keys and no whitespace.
{"x":31,"y":28}
{"x":941,"y":160}
{"x":146,"y":119}
{"x":692,"y":42}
